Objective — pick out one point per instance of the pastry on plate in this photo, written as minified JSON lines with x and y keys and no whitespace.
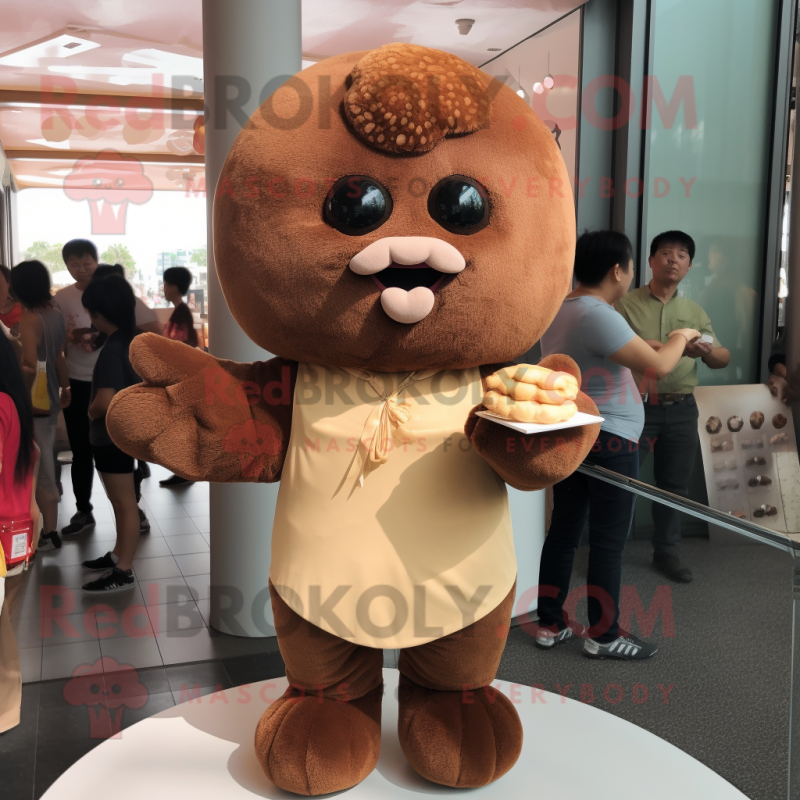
{"x":755,"y":461}
{"x":716,"y":446}
{"x":735,"y":424}
{"x":779,"y":438}
{"x":779,"y":421}
{"x":760,"y":480}
{"x":713,"y":424}
{"x":526,"y":393}
{"x":739,"y":514}
{"x":756,"y":420}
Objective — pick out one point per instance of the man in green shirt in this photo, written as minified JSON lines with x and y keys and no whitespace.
{"x":670,"y":408}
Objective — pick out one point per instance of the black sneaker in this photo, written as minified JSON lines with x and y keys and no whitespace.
{"x":144,"y":523}
{"x":102,"y":564}
{"x":144,"y":468}
{"x":115,"y":581}
{"x":672,"y":567}
{"x":626,"y":648}
{"x":49,"y":541}
{"x":173,"y":481}
{"x":79,"y":523}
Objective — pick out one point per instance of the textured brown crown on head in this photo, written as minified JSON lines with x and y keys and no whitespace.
{"x":405,"y":98}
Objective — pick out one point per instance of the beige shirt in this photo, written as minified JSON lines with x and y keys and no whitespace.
{"x":390,"y":530}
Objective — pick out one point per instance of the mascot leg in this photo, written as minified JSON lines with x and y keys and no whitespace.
{"x":455,"y":728}
{"x":324,"y":734}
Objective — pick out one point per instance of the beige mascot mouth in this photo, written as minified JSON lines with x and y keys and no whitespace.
{"x":408,"y":270}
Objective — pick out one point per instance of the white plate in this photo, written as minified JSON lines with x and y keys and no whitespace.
{"x":577,"y":421}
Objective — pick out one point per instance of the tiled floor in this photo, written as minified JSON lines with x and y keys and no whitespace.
{"x":161,"y":621}
{"x":58,"y":727}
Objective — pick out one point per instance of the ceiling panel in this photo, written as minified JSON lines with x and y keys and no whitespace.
{"x":124,"y":48}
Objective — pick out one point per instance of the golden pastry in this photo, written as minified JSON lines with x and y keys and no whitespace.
{"x":756,"y":420}
{"x":527,"y":393}
{"x":714,"y":425}
{"x":779,"y":421}
{"x":528,"y":410}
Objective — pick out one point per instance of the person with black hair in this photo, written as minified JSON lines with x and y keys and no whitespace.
{"x":83,"y":344}
{"x":111,"y":306}
{"x":588,"y":329}
{"x":142,"y":467}
{"x":180,"y":328}
{"x":43,"y":334}
{"x":17,"y":470}
{"x":670,"y":408}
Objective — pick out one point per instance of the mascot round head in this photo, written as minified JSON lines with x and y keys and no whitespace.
{"x":397,"y":209}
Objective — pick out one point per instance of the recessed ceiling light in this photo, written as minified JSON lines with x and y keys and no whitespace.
{"x":58,"y":46}
{"x":494,"y":49}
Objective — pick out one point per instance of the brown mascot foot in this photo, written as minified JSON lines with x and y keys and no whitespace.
{"x":459,"y":739}
{"x":312,"y":745}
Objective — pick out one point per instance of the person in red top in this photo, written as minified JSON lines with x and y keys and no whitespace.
{"x":10,"y":309}
{"x":180,"y":327}
{"x":17,"y":463}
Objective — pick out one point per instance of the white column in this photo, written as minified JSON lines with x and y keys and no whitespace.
{"x":246,"y":43}
{"x":527,"y":520}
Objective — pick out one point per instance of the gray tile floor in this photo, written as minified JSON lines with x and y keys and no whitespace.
{"x":163,"y":620}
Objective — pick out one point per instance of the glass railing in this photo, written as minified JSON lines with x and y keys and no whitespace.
{"x":729,"y":645}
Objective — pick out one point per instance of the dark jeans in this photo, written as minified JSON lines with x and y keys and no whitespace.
{"x":610,"y":512}
{"x":76,"y":417}
{"x":670,"y":433}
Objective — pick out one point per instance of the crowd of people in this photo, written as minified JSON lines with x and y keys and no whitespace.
{"x":71,"y":350}
{"x":637,"y":351}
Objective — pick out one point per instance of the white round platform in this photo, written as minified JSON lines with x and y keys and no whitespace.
{"x":204,"y":750}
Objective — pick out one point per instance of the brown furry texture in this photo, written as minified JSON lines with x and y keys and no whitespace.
{"x":285,"y":272}
{"x":324,"y":734}
{"x":194,"y":417}
{"x":285,"y":275}
{"x":311,"y":745}
{"x":405,"y":98}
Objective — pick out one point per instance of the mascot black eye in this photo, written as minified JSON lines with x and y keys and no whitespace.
{"x":459,"y":204}
{"x":357,"y":204}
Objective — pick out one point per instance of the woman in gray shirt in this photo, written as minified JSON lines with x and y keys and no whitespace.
{"x":606,"y":349}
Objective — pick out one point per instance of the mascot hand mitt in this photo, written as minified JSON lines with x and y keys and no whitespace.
{"x":397,"y":228}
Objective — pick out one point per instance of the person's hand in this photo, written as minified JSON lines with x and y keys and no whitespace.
{"x":697,"y":349}
{"x":65,"y":397}
{"x":777,"y":386}
{"x":654,"y":343}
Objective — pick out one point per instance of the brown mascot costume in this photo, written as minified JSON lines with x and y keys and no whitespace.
{"x":397,"y":228}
